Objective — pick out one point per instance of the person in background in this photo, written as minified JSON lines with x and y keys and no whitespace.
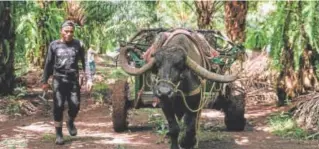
{"x":90,"y":68}
{"x":62,"y":60}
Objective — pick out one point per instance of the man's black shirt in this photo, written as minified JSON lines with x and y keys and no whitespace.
{"x":62,"y":59}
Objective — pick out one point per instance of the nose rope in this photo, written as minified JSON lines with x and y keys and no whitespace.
{"x":175,"y":87}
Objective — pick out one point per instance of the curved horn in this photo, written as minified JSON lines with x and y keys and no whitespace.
{"x":132,"y":70}
{"x":207,"y":74}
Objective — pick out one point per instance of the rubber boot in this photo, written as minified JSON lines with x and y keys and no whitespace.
{"x":71,"y":127}
{"x":59,"y":136}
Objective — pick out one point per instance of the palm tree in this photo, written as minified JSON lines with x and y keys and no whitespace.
{"x":38,"y":23}
{"x":6,"y":49}
{"x":205,"y":11}
{"x":309,"y":57}
{"x":286,"y":82}
{"x":235,"y":20}
{"x":75,"y":12}
{"x":174,"y":14}
{"x":108,"y":22}
{"x":306,"y":45}
{"x":294,"y":45}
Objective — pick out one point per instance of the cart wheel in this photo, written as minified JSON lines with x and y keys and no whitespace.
{"x":235,"y":111}
{"x":120,"y":105}
{"x":232,"y":102}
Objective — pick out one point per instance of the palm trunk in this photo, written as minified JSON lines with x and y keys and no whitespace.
{"x":287,"y":80}
{"x":235,"y":20}
{"x":307,"y":70}
{"x":6,"y":49}
{"x":204,"y":10}
{"x":40,"y":60}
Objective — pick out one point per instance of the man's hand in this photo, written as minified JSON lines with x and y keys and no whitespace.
{"x":45,"y":87}
{"x":89,"y":85}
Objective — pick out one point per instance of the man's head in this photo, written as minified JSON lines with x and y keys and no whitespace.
{"x":67,"y":30}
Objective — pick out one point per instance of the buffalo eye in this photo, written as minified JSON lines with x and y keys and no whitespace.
{"x":179,"y":65}
{"x":182,"y":76}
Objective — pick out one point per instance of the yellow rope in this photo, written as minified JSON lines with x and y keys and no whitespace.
{"x":202,"y":104}
{"x":199,"y":112}
{"x":169,"y":82}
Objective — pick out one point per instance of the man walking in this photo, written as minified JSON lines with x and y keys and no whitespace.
{"x":62,"y":62}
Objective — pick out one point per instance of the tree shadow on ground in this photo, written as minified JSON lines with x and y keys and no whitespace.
{"x":140,"y":128}
{"x":221,"y":144}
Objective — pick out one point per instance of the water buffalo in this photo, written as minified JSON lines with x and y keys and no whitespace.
{"x":179,"y":67}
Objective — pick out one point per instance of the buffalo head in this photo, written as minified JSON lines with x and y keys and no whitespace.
{"x":169,"y":63}
{"x":169,"y":67}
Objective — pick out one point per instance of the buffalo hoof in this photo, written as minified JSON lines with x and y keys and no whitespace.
{"x":236,"y":124}
{"x":71,"y":128}
{"x":186,"y":148}
{"x":174,"y":147}
{"x":187,"y":143}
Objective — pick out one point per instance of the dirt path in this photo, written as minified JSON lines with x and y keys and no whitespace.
{"x":95,"y":131}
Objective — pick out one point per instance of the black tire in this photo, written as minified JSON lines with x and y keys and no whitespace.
{"x":120,"y":107}
{"x":235,"y":108}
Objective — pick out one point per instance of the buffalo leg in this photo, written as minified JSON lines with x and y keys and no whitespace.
{"x":189,"y":139}
{"x":190,"y":121}
{"x":172,"y":124}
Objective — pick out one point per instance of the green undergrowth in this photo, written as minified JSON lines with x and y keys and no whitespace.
{"x":100,"y":91}
{"x":14,"y":143}
{"x":283,"y":125}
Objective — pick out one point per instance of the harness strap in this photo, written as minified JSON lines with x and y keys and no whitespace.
{"x":194,"y":92}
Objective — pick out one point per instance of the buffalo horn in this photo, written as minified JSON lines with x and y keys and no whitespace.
{"x":128,"y":68}
{"x":208,"y":74}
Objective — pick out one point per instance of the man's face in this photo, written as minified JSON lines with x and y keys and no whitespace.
{"x":67,"y":33}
